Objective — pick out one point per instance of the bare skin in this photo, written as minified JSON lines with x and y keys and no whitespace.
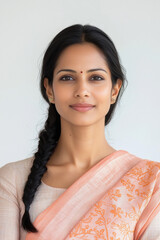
{"x":82,"y":143}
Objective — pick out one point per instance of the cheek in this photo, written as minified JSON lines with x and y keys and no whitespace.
{"x":103,"y":95}
{"x":60,"y":93}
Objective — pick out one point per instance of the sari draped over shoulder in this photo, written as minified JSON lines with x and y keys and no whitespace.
{"x":115,"y":199}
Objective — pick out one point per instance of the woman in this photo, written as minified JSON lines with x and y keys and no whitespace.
{"x":77,"y":186}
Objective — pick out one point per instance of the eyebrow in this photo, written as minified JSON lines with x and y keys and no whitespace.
{"x":91,"y":70}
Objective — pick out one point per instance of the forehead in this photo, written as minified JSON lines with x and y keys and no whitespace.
{"x":82,"y":56}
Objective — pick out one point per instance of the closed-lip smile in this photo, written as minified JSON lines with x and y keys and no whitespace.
{"x":82,"y":105}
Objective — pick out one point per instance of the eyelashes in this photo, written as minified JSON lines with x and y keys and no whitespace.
{"x":65,"y":78}
{"x":95,"y":77}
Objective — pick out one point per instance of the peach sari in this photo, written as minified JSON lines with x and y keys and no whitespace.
{"x":115,"y":199}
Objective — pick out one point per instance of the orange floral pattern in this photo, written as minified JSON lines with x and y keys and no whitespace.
{"x":115,"y":216}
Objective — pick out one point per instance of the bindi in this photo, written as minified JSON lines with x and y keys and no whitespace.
{"x":81,"y":71}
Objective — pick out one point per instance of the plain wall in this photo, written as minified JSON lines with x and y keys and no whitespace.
{"x":27,"y":27}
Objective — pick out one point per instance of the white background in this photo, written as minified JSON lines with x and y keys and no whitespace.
{"x":27,"y":27}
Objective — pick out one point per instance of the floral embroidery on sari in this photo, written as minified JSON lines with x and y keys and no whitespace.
{"x":116,"y":214}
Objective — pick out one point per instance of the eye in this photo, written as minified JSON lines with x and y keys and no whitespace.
{"x":65,"y":78}
{"x":97,"y":77}
{"x":94,"y":78}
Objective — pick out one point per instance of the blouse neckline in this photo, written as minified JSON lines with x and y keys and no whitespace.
{"x":44,"y":184}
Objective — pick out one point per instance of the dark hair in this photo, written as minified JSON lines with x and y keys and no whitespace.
{"x":48,"y":137}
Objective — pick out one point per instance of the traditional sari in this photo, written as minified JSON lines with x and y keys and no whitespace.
{"x":115,"y":199}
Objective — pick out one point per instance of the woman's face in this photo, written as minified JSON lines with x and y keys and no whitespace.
{"x":81,"y":83}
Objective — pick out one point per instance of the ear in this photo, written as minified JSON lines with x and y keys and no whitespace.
{"x":49,"y":91}
{"x":115,"y":90}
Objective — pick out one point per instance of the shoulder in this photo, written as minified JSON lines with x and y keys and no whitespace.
{"x":13,"y":169}
{"x":143,"y":169}
{"x":13,"y":175}
{"x":145,"y":161}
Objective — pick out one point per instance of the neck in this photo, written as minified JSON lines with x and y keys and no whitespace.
{"x":81,"y":146}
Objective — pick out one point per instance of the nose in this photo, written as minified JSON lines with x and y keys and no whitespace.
{"x":81,"y":90}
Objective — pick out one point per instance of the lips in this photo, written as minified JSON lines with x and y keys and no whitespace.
{"x":82,"y":105}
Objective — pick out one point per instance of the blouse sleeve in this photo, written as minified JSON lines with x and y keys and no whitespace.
{"x":153,"y":230}
{"x":9,"y":207}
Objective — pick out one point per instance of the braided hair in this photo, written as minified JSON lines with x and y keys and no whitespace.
{"x":49,"y":136}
